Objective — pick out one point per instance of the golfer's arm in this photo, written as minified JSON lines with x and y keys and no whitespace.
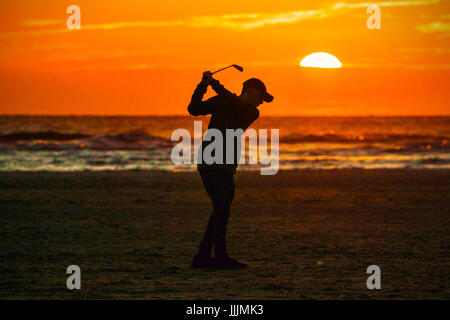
{"x":220,"y":89}
{"x":197,"y":107}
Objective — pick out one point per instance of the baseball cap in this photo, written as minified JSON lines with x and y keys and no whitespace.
{"x":258,"y":84}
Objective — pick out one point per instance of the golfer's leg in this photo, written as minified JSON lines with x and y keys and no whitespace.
{"x":211,"y":179}
{"x":221,"y":211}
{"x":207,"y":241}
{"x":216,"y":185}
{"x":230,"y":194}
{"x":230,"y":186}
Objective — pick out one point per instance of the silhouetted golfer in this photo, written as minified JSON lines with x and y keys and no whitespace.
{"x":228,"y":111}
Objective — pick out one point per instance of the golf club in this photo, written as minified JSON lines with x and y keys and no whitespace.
{"x":233,"y":65}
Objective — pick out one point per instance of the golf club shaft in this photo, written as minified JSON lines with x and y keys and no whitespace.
{"x":222,"y":69}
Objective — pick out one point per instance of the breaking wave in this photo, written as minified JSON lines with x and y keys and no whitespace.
{"x":58,"y":141}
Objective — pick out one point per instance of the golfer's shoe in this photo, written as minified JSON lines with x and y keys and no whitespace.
{"x":201,"y":261}
{"x":227,"y":263}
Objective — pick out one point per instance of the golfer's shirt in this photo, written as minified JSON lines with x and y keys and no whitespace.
{"x":227,"y":112}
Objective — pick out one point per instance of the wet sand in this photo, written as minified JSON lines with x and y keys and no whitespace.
{"x":133,"y":234}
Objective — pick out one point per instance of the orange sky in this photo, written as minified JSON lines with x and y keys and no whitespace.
{"x":146,"y":57}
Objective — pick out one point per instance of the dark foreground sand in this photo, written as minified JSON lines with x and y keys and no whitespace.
{"x":133,"y":235}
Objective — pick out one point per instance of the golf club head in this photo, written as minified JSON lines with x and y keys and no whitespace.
{"x":238,"y":67}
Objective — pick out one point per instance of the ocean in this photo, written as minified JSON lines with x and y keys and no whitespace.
{"x":80,"y":143}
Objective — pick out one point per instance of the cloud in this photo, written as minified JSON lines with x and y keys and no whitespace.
{"x":255,"y":20}
{"x":438,"y":50}
{"x":234,"y":21}
{"x":258,"y":20}
{"x":436,"y":26}
{"x":341,"y":5}
{"x":237,"y":21}
{"x":133,"y":24}
{"x":41,"y":23}
{"x":398,"y":66}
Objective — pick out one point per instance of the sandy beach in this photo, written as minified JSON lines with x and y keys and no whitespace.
{"x":133,"y":234}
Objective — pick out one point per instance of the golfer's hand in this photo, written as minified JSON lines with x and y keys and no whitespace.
{"x":207,"y":78}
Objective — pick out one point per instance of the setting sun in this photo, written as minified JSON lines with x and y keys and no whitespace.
{"x":320,"y":60}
